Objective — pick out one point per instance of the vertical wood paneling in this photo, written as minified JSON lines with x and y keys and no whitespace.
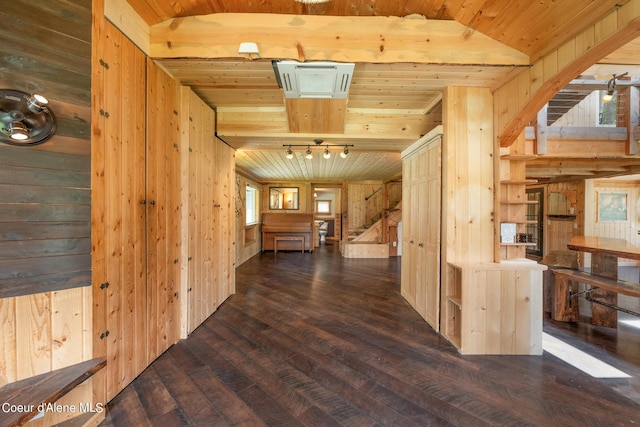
{"x":163,"y":210}
{"x":210,"y":189}
{"x":627,"y":230}
{"x":468,"y":174}
{"x":8,"y":345}
{"x":119,"y":216}
{"x":361,"y":211}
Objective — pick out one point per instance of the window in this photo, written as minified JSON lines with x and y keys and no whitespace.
{"x":252,"y":205}
{"x":323,"y":206}
{"x":608,"y":110}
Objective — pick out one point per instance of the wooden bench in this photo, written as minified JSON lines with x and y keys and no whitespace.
{"x":277,"y":239}
{"x":563,"y":306}
{"x":28,"y":394}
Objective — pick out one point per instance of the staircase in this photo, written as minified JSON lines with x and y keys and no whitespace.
{"x":373,"y":231}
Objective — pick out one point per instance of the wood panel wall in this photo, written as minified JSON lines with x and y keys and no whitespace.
{"x":585,"y":113}
{"x":45,"y":216}
{"x":361,"y":211}
{"x":209,"y":220}
{"x":45,"y":207}
{"x":619,"y":229}
{"x":468,"y":180}
{"x":44,"y":189}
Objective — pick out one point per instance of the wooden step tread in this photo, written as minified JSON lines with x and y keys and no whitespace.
{"x":44,"y":388}
{"x":618,"y":286}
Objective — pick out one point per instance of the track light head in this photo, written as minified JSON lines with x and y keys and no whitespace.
{"x":308,"y":154}
{"x":344,"y":153}
{"x":289,"y":153}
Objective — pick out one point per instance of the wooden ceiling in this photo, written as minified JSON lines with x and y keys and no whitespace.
{"x":390,"y":104}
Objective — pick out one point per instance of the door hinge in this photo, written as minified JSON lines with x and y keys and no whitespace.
{"x":103,"y":113}
{"x":105,"y":285}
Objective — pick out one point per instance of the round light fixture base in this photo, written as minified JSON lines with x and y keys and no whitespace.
{"x":25,"y":119}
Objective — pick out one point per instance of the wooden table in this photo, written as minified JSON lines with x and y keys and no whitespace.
{"x":605,"y":253}
{"x":277,"y":239}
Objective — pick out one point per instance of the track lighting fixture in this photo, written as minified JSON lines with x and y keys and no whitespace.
{"x":611,"y":88}
{"x":25,"y":119}
{"x":308,"y":154}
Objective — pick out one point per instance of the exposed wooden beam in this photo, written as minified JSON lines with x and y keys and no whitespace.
{"x":519,"y":100}
{"x":377,"y":39}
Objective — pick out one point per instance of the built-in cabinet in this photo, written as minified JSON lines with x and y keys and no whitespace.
{"x":494,"y":308}
{"x":209,"y":221}
{"x":422,"y":191}
{"x":163,"y":227}
{"x":136,"y":196}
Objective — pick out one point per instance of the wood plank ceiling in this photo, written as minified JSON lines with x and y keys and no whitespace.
{"x":389,"y":104}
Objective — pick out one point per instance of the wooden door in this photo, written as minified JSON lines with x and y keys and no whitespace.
{"x":163,"y":211}
{"x":118,"y":182}
{"x":406,"y":278}
{"x":209,"y":190}
{"x":421,"y":234}
{"x":432,"y":232}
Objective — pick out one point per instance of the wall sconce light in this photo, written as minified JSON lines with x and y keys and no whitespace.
{"x":611,"y":88}
{"x":249,"y":48}
{"x":318,"y":143}
{"x":25,"y":119}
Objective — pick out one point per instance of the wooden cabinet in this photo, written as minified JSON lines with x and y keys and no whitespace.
{"x":421,"y":189}
{"x":209,"y":220}
{"x":494,"y":308}
{"x":163,"y":222}
{"x":136,"y":198}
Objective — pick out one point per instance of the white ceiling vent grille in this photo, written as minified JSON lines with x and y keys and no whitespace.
{"x":314,"y":79}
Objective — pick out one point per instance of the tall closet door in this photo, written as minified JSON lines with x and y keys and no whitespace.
{"x":163,"y":211}
{"x":209,"y":186}
{"x":421,"y":206}
{"x":202,"y":261}
{"x":432,"y":232}
{"x":119,"y":224}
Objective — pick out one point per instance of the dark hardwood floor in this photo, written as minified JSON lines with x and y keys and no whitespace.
{"x":321,"y":340}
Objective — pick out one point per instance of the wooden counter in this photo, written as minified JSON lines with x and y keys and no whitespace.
{"x":619,"y":248}
{"x":605,"y":253}
{"x":494,"y":308}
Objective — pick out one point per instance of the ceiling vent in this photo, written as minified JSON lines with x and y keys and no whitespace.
{"x":314,"y":79}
